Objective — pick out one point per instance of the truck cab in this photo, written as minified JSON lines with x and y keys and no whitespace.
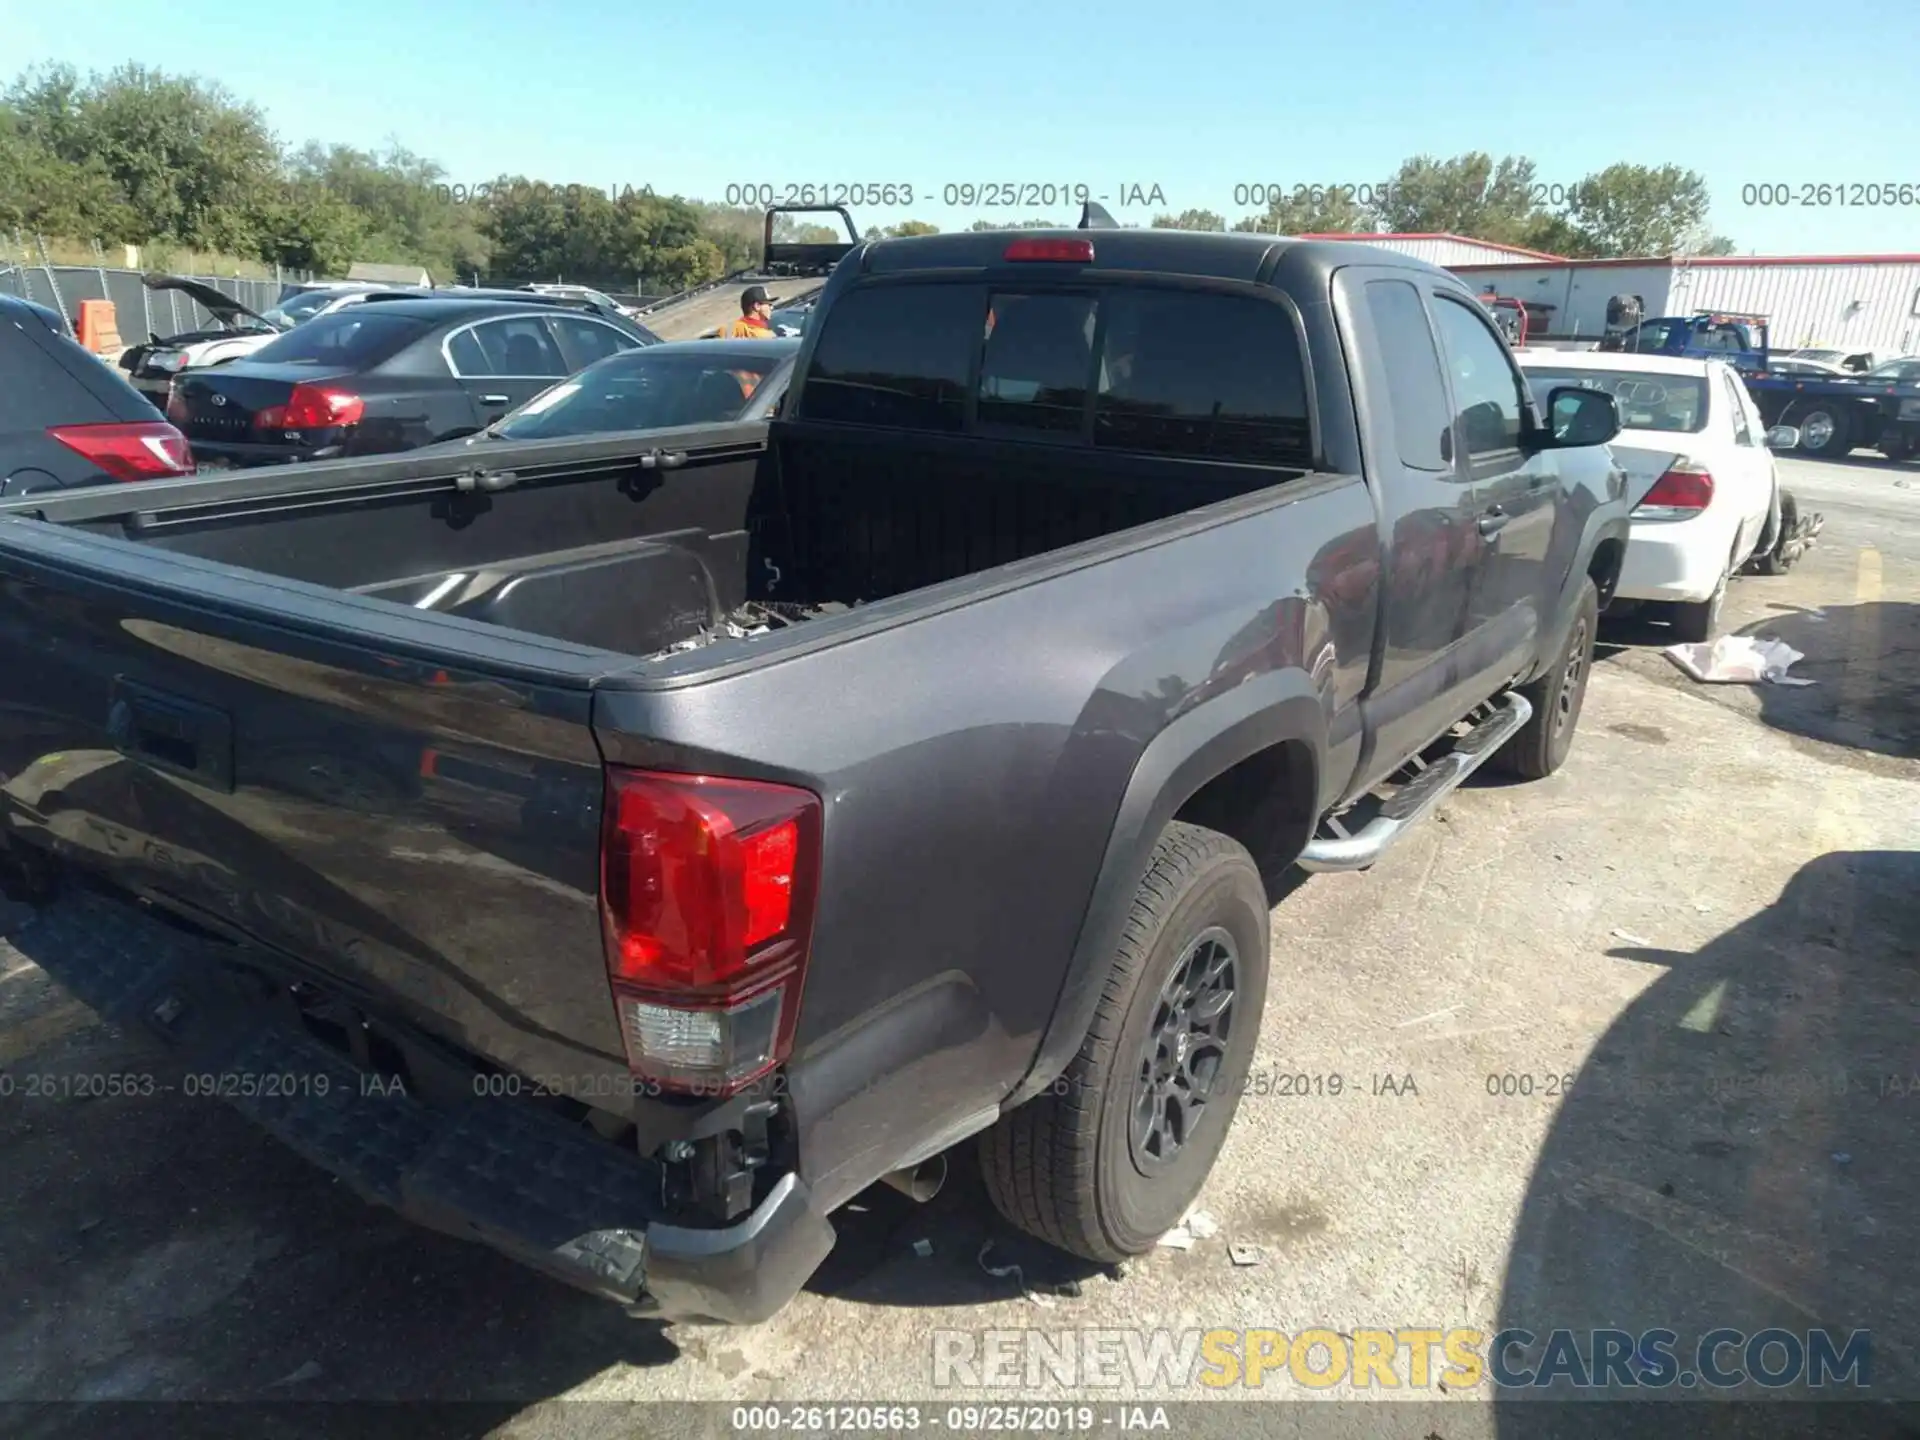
{"x":1740,"y":340}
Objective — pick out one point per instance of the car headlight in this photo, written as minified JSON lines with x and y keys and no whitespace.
{"x":167,"y":361}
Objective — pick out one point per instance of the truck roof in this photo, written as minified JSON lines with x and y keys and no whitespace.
{"x":1200,"y":253}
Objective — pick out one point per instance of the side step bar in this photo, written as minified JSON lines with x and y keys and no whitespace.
{"x":1414,"y":801}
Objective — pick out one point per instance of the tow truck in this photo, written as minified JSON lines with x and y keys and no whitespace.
{"x":1834,"y":414}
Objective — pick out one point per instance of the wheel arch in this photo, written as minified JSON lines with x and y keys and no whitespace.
{"x":1206,"y":767}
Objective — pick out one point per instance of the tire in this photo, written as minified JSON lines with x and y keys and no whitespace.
{"x":1072,"y":1166}
{"x":1827,"y":431}
{"x":1774,"y":561}
{"x":1694,"y":622}
{"x":1544,"y":742}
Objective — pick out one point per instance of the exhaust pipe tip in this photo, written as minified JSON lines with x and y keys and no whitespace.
{"x":920,"y":1182}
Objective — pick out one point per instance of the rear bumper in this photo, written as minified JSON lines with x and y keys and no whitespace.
{"x":509,"y":1174}
{"x":1673,"y":560}
{"x":212,"y":455}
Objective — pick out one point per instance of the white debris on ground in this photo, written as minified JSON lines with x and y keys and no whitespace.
{"x":1192,"y":1226}
{"x":1739,"y":660}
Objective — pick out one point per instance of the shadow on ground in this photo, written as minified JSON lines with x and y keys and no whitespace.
{"x":1740,"y":1150}
{"x":1864,"y":660}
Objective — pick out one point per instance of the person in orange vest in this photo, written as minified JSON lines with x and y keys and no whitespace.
{"x":756,"y":317}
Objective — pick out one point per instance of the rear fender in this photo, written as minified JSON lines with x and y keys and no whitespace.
{"x":1270,"y":709}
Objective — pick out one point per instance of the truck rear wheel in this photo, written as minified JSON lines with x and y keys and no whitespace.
{"x":1109,"y":1157}
{"x":1827,"y":431}
{"x":1543,"y":742}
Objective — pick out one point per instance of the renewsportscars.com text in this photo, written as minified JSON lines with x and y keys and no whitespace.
{"x":1415,"y":1358}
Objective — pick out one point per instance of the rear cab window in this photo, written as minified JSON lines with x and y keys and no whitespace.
{"x":1173,"y":371}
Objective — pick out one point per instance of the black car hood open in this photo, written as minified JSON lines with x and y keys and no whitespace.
{"x":224,"y":308}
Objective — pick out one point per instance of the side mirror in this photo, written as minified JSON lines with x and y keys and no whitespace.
{"x":1783,"y":437}
{"x":1577,"y":416}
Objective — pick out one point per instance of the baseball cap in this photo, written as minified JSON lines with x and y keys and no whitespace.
{"x":755,"y":295}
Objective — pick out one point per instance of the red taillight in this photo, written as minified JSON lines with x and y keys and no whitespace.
{"x":134,"y":450}
{"x":706,"y":901}
{"x":312,"y":407}
{"x":1073,"y":251}
{"x":1685,"y":489}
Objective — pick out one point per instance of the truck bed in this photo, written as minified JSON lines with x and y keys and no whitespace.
{"x":702,"y":534}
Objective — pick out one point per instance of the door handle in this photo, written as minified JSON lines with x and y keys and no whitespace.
{"x":493,"y":399}
{"x":1494,"y":521}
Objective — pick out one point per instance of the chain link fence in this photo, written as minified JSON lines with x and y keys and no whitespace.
{"x":137,"y":311}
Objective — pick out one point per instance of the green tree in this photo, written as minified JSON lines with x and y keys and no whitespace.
{"x":408,"y":213}
{"x":1190,"y":220}
{"x":905,"y":227}
{"x":1470,"y":194}
{"x":42,"y":194}
{"x":1308,"y":212}
{"x":309,"y":227}
{"x":737,"y":232}
{"x":190,"y":161}
{"x":1640,"y":209}
{"x":979,"y":226}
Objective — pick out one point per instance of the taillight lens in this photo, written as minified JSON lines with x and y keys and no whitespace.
{"x":312,"y":407}
{"x":707,"y":891}
{"x":176,"y":403}
{"x":134,"y":450}
{"x":1681,"y":493}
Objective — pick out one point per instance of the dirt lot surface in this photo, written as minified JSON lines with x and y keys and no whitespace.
{"x":1635,"y":1046}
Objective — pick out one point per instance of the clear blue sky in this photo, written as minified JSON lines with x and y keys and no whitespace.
{"x":1196,"y":97}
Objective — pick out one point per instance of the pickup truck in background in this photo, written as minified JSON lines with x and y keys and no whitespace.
{"x":624,"y":851}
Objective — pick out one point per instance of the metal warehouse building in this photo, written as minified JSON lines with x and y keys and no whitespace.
{"x":1853,"y":302}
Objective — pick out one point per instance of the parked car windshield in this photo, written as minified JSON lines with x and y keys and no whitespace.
{"x":303,"y":306}
{"x":1907,"y":369}
{"x":641,"y":390}
{"x":353,"y":338}
{"x":1647,"y":400}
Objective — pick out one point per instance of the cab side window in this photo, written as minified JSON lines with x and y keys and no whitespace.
{"x":1486,"y":388}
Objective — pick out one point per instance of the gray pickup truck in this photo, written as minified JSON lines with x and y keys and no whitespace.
{"x":623,"y":851}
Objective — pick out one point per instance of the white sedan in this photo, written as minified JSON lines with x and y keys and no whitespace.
{"x":1700,"y":475}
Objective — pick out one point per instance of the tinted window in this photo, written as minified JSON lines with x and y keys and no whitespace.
{"x":1037,"y":362}
{"x":303,"y":306}
{"x":1647,"y":401}
{"x":353,"y":338}
{"x":640,"y":390}
{"x":1653,"y":335}
{"x":468,"y":358}
{"x":519,"y":347}
{"x":1415,"y":390}
{"x":1214,"y":377}
{"x":1484,"y":385}
{"x":896,"y":355}
{"x":586,"y":341}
